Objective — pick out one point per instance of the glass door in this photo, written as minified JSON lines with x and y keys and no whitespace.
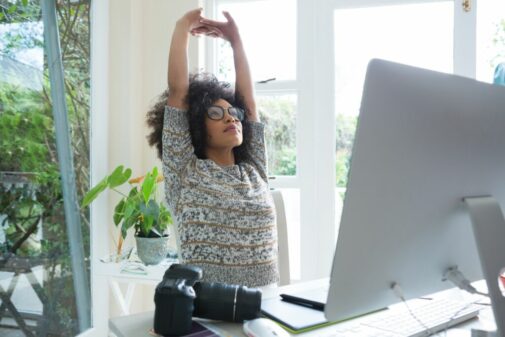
{"x":38,"y":284}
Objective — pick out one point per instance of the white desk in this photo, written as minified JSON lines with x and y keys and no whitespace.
{"x":138,"y":325}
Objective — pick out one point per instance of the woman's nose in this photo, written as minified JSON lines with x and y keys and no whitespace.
{"x":229,"y":118}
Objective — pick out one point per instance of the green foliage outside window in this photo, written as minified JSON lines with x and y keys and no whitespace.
{"x":278,"y":114}
{"x":26,"y":125}
{"x":346,"y":128}
{"x":27,"y":146}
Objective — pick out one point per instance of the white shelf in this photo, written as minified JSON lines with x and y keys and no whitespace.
{"x":113,"y":271}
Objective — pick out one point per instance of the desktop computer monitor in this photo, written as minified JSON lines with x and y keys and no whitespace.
{"x":425,"y":140}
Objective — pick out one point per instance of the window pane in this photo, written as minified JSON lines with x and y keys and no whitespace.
{"x":490,"y":38}
{"x":268,"y":30}
{"x":35,"y":269}
{"x":398,"y":33}
{"x":278,"y":113}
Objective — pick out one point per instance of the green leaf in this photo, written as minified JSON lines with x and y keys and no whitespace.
{"x":165,"y":218}
{"x":133,"y":192}
{"x":12,"y":9}
{"x":25,"y":3}
{"x":148,"y":184}
{"x":94,"y":192}
{"x":129,"y":209}
{"x":151,"y":209}
{"x":119,"y":212}
{"x":123,"y":232}
{"x":148,"y":224}
{"x":150,"y":212}
{"x":118,"y":177}
{"x":128,"y":223}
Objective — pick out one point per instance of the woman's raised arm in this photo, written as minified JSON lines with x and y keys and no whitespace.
{"x":243,"y":83}
{"x":178,"y":73}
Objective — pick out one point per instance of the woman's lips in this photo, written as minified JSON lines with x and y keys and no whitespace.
{"x":231,"y":128}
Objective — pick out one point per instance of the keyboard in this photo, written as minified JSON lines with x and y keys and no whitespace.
{"x":435,"y":315}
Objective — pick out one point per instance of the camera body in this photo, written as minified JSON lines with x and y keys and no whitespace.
{"x":174,"y":300}
{"x":179,"y":297}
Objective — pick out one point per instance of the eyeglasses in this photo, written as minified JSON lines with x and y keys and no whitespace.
{"x":216,"y":113}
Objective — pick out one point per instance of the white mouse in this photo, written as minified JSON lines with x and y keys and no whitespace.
{"x":263,"y":327}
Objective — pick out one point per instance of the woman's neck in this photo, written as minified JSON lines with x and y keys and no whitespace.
{"x":222,"y":157}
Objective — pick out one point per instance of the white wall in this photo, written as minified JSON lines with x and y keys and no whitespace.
{"x":140,"y":33}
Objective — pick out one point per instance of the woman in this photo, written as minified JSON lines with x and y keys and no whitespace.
{"x":212,"y":147}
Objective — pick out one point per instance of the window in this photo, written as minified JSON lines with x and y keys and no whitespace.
{"x":278,"y":113}
{"x":333,"y":41}
{"x":268,"y":58}
{"x":399,"y":34}
{"x":37,"y":274}
{"x":273,"y":68}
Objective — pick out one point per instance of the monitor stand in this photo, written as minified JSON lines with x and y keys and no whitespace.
{"x":489,"y":231}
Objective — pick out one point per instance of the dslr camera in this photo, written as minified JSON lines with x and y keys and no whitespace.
{"x":179,"y":297}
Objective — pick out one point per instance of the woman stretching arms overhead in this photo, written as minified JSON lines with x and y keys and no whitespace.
{"x":212,"y":146}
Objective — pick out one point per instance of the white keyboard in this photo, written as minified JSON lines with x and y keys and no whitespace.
{"x":436,"y":315}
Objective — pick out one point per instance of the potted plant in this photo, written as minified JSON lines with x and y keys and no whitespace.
{"x":138,"y":209}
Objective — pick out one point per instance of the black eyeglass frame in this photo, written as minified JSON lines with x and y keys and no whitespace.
{"x":239,"y":114}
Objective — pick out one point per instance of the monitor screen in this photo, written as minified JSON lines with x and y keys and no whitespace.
{"x":425,"y":140}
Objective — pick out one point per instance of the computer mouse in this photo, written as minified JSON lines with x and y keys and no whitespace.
{"x":263,"y":327}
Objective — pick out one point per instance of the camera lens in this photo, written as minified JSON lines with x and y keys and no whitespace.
{"x":250,"y":304}
{"x":226,"y":302}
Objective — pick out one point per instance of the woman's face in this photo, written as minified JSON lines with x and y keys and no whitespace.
{"x":224,"y":133}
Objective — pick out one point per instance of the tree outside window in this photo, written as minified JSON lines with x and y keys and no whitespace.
{"x":33,"y":238}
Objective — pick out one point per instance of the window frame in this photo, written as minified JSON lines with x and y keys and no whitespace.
{"x":99,"y":159}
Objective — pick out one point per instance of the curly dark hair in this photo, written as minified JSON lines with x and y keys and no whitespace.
{"x":204,"y":90}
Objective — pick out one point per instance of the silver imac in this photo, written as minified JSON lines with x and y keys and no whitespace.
{"x":425,"y":140}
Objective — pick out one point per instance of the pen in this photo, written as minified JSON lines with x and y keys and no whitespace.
{"x":302,"y":302}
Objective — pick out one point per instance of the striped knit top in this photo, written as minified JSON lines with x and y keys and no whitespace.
{"x":224,"y":216}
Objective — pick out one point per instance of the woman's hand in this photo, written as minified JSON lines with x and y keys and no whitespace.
{"x":227,"y":30}
{"x":191,"y":20}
